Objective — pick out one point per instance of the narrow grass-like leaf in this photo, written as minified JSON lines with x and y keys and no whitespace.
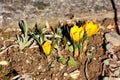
{"x":36,"y":38}
{"x":72,"y":62}
{"x":42,"y":38}
{"x":62,"y":60}
{"x":23,"y":27}
{"x":71,"y":49}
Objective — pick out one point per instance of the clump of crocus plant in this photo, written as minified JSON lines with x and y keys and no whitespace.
{"x":80,"y":35}
{"x":90,"y":28}
{"x":74,"y":38}
{"x":46,"y":48}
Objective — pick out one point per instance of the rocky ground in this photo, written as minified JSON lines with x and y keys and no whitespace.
{"x":11,"y":11}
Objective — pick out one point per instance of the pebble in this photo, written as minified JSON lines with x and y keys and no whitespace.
{"x":113,"y":38}
{"x":65,"y":74}
{"x":4,"y":63}
{"x":75,"y":74}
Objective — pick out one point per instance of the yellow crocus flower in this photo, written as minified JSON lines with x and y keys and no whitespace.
{"x":91,"y":28}
{"x":46,"y":47}
{"x":76,"y":33}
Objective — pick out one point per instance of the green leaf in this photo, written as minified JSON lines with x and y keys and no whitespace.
{"x":106,"y":62}
{"x":39,"y":31}
{"x":85,"y":37}
{"x":33,"y":26}
{"x":59,"y":31}
{"x":66,"y":47}
{"x":64,"y":41}
{"x":23,"y":27}
{"x":106,"y":78}
{"x":58,"y":41}
{"x":24,"y":39}
{"x":71,"y":49}
{"x":42,"y":38}
{"x":53,"y":44}
{"x":75,"y":45}
{"x":37,"y":39}
{"x":116,"y":73}
{"x":89,"y":55}
{"x":72,"y":62}
{"x":62,"y":60}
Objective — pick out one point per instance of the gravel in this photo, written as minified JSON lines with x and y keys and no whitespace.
{"x":11,"y":11}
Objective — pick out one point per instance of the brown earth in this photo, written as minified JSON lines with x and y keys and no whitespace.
{"x":39,"y":67}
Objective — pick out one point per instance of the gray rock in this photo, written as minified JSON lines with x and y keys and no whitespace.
{"x":113,"y":38}
{"x":53,"y":10}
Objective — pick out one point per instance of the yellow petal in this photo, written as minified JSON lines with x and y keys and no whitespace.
{"x":91,"y":28}
{"x":46,"y":47}
{"x":81,"y":32}
{"x":76,"y":33}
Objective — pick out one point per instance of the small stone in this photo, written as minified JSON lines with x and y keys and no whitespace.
{"x":92,"y":48}
{"x":75,"y":74}
{"x":65,"y":74}
{"x":27,"y":61}
{"x":106,"y":62}
{"x":62,"y":66}
{"x":111,"y":26}
{"x":113,"y":38}
{"x":39,"y":67}
{"x":117,"y":73}
{"x":56,"y":78}
{"x":4,"y":63}
{"x":109,"y":46}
